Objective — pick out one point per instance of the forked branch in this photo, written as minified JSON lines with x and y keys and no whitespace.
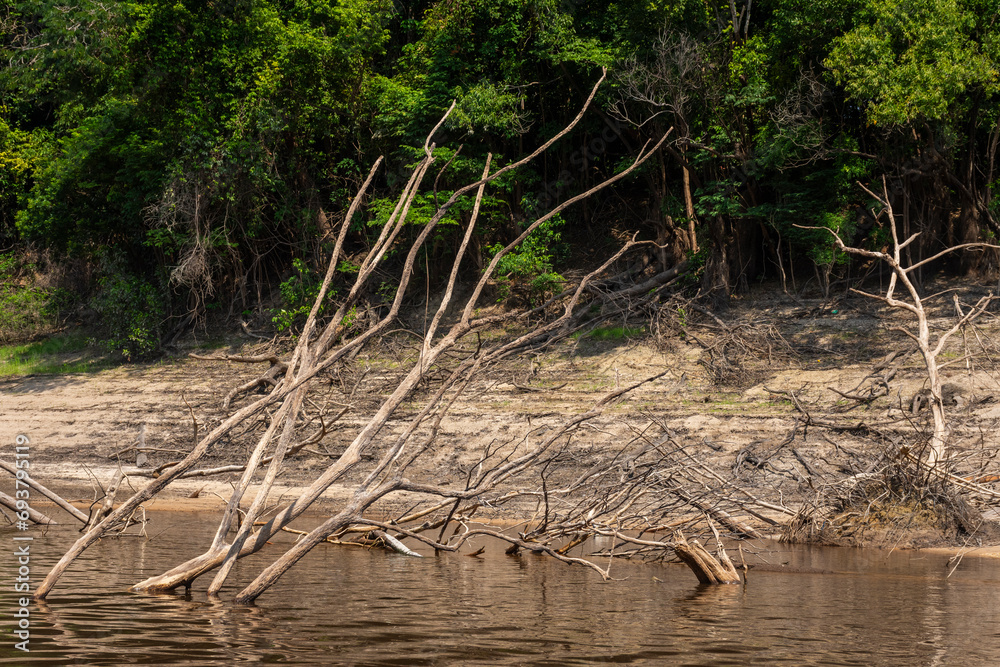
{"x":928,"y":346}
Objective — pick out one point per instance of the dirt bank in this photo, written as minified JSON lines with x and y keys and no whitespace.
{"x":728,"y":411}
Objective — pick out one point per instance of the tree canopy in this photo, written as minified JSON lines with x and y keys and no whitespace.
{"x":206,"y":146}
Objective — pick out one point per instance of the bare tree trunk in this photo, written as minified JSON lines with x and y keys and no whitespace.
{"x":316,"y":352}
{"x":689,"y":211}
{"x":717,"y":269}
{"x":708,"y":569}
{"x":33,"y":515}
{"x":51,"y":495}
{"x":914,"y":304}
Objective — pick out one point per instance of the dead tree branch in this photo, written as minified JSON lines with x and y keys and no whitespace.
{"x":444,"y":353}
{"x":914,"y":303}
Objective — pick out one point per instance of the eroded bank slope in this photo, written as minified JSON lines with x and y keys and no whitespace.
{"x":749,"y":402}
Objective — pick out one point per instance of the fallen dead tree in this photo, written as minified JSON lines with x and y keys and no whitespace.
{"x":453,"y":353}
{"x":26,"y":479}
{"x":104,"y":497}
{"x":33,"y":515}
{"x":898,"y":500}
{"x":642,"y":495}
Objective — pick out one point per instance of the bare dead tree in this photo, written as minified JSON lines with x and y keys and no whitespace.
{"x":929,"y":346}
{"x":320,"y":349}
{"x":51,"y":495}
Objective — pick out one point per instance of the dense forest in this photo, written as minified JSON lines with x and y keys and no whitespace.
{"x":164,"y":160}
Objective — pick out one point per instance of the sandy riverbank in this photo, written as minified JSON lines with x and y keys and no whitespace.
{"x":83,"y":426}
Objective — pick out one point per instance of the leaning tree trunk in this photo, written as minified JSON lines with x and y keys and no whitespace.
{"x":317,"y":352}
{"x":708,"y":568}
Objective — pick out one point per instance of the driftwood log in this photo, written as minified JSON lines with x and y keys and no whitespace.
{"x":33,"y":515}
{"x":708,"y":568}
{"x":51,"y":495}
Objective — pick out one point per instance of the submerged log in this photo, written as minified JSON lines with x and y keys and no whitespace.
{"x":51,"y":495}
{"x":33,"y":515}
{"x":394,"y":544}
{"x":708,"y":568}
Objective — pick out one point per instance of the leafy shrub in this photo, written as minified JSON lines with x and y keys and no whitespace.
{"x":27,"y":310}
{"x":531,"y":262}
{"x":132,"y":312}
{"x":299,"y":292}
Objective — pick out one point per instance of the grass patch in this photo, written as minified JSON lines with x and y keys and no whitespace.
{"x":613,"y":333}
{"x":59,"y":354}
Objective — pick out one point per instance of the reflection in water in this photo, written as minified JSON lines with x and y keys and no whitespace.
{"x":355,"y":607}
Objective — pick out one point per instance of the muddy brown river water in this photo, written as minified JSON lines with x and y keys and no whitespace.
{"x":344,"y":606}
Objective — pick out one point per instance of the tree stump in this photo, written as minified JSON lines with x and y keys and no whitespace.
{"x":708,"y":568}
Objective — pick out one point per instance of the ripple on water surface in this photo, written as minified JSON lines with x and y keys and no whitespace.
{"x":356,"y":607}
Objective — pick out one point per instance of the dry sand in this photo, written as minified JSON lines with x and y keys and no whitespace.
{"x":82,"y":426}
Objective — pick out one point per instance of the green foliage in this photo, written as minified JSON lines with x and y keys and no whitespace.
{"x":132,"y":313}
{"x":230,"y":94}
{"x":717,"y":199}
{"x":22,"y":152}
{"x":536,"y":252}
{"x":216,"y":141}
{"x":26,"y":309}
{"x":824,"y":196}
{"x":842,"y":224}
{"x":422,"y":209}
{"x":695,"y":267}
{"x":346,"y":266}
{"x":532,"y":261}
{"x":489,"y":107}
{"x":911,"y":60}
{"x":298,"y":294}
{"x":801,"y":33}
{"x":546,"y":283}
